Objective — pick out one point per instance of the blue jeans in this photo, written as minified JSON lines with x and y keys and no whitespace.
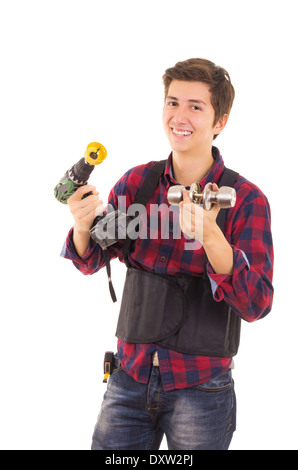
{"x":136,"y":416}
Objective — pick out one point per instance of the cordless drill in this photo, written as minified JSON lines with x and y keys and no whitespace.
{"x":79,"y":173}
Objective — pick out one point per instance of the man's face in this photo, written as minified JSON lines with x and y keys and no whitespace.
{"x":188,"y":117}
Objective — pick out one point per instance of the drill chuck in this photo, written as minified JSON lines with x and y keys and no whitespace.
{"x":95,"y":153}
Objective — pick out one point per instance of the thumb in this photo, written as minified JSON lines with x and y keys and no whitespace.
{"x":186,"y":197}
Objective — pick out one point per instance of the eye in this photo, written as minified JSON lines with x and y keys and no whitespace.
{"x":172,"y":103}
{"x":196,"y":108}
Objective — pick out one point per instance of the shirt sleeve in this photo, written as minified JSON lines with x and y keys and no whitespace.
{"x":248,"y":290}
{"x":90,"y":263}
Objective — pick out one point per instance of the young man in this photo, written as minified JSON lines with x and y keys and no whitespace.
{"x":179,"y":323}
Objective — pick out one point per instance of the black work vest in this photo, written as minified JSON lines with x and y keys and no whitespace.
{"x":176,"y":312}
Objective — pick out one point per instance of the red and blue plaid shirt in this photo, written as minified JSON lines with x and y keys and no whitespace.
{"x":248,"y":290}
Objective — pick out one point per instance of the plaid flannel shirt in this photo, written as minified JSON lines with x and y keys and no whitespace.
{"x":248,"y":290}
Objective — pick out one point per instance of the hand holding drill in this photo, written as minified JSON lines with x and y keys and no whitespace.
{"x":83,"y":200}
{"x":85,"y":209}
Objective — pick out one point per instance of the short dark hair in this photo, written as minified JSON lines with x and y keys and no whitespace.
{"x":203,"y":70}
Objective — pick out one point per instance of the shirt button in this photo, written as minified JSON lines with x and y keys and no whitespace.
{"x":163,"y":258}
{"x":171,"y":230}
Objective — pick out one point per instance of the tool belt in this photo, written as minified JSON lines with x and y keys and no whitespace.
{"x":177,"y":312}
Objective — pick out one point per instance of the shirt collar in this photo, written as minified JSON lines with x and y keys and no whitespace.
{"x":213,"y":176}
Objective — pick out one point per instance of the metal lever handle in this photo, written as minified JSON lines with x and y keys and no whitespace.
{"x":225,"y":197}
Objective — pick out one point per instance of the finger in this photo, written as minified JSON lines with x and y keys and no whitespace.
{"x":185,"y":201}
{"x":77,"y":205}
{"x":90,"y":208}
{"x":187,"y":205}
{"x":77,"y":195}
{"x":214,"y":187}
{"x":186,"y":197}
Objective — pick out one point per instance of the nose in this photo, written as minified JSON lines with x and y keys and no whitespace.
{"x":180,"y":115}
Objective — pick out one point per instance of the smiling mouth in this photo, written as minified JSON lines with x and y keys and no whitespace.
{"x":181,"y":133}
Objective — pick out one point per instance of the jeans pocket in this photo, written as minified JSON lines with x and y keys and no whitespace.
{"x":220,"y":383}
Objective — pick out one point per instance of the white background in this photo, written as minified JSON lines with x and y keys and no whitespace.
{"x":78,"y":71}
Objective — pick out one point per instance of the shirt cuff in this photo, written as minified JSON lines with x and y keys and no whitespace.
{"x":69,"y":251}
{"x":222,"y":283}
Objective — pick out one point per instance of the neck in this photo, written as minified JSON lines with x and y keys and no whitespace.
{"x":190,"y":169}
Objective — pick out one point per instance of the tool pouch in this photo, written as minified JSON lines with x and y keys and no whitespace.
{"x":153,"y":307}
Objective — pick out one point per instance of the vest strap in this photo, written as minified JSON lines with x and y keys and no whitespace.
{"x":228,"y":179}
{"x":144,"y":195}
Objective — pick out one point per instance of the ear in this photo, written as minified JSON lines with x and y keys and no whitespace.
{"x":221,"y":124}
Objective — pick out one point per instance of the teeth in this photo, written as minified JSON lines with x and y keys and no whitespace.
{"x":180,"y":133}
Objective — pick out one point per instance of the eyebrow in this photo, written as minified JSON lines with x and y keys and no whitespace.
{"x":190,"y":101}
